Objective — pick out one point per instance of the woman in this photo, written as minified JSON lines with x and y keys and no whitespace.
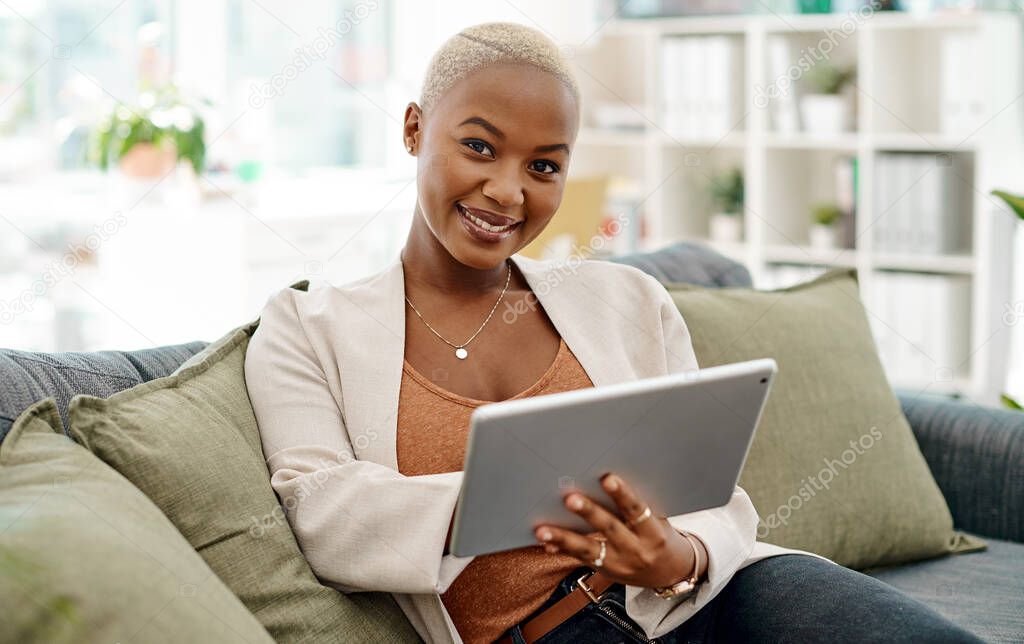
{"x":363,"y":395}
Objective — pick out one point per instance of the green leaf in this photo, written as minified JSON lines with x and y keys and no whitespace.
{"x":125,"y":127}
{"x":1010,"y":402}
{"x":826,"y":78}
{"x":825,"y":214}
{"x":1013,"y":201}
{"x":727,"y":191}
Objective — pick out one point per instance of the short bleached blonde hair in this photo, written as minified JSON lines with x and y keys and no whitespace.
{"x":489,"y":43}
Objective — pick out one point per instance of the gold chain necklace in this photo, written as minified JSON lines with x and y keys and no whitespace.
{"x":460,"y":349}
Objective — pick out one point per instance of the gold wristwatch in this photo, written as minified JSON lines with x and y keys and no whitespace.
{"x":688,"y":587}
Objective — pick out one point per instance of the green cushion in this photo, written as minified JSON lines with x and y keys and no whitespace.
{"x":191,"y":443}
{"x":834,"y":467}
{"x":86,"y":557}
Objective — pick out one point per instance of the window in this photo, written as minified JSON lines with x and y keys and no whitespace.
{"x":62,"y":66}
{"x":320,"y":72}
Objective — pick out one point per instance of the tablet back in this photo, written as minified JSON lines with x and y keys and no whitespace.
{"x":680,"y":440}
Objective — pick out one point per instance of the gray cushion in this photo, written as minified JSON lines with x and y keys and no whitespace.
{"x":27,"y":377}
{"x":977,"y":457}
{"x":689,"y":262}
{"x":981,"y":591}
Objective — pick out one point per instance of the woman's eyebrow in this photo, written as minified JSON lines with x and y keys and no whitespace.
{"x":487,"y":125}
{"x":552,"y":148}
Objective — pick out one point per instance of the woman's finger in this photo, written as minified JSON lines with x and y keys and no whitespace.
{"x":602,"y":520}
{"x":586,"y":549}
{"x":630,"y":505}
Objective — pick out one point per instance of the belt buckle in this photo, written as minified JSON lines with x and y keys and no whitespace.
{"x":587,"y":589}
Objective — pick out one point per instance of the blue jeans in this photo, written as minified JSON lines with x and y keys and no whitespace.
{"x":787,"y":598}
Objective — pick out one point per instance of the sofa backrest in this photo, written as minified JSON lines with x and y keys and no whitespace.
{"x":690,"y":262}
{"x":27,"y":377}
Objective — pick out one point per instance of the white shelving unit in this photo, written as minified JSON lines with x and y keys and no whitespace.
{"x":897,"y":57}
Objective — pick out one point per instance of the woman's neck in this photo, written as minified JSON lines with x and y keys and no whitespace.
{"x":427,"y":263}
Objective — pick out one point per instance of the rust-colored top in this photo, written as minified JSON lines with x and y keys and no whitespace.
{"x":498,"y":590}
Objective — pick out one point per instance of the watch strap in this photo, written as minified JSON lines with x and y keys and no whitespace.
{"x":686,"y":586}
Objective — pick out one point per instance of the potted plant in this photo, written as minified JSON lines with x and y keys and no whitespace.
{"x":149,"y":139}
{"x":1016,"y":204}
{"x":726,"y":224}
{"x":823,"y":227}
{"x":824,"y":109}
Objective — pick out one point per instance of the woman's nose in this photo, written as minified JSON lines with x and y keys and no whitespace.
{"x":505,"y":187}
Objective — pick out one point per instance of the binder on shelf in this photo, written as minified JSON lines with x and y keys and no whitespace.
{"x":846,"y":199}
{"x":950,"y":296}
{"x":714,"y":108}
{"x":693,"y":82}
{"x":922,"y":325}
{"x":883,"y":203}
{"x":782,"y":91}
{"x":921,"y":206}
{"x":929,"y":237}
{"x":701,"y":85}
{"x":673,"y":102}
{"x":961,"y":108}
{"x":879,"y":319}
{"x":951,"y":65}
{"x":906,"y":202}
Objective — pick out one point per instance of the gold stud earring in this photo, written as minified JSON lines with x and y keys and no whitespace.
{"x":409,"y":147}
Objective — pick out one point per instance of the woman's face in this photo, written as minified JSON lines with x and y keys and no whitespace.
{"x":495,"y":147}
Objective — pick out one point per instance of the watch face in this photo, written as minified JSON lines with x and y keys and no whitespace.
{"x":682,"y":589}
{"x":688,"y":593}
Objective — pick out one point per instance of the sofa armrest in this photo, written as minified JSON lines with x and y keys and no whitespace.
{"x":976,"y":455}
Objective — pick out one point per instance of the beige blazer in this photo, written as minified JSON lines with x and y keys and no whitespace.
{"x":323,"y":372}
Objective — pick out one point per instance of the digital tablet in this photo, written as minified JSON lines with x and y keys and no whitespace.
{"x":679,"y":440}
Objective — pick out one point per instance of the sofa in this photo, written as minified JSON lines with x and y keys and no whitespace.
{"x":976,"y":454}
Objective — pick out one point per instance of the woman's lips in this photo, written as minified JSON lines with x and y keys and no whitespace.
{"x":488,"y":217}
{"x":479,"y":232}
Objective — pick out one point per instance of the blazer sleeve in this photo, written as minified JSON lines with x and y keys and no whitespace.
{"x":361,"y":525}
{"x":728,"y":532}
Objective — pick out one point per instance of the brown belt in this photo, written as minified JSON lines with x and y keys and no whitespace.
{"x":589,"y":588}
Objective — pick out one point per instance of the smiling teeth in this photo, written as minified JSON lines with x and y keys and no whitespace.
{"x":483,"y":224}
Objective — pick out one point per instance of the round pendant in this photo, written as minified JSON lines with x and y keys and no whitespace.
{"x":461,"y":353}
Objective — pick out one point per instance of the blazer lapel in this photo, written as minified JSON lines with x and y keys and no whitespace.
{"x":568,"y":301}
{"x":371,"y":354}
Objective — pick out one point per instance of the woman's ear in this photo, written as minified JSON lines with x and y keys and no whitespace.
{"x":412,"y":127}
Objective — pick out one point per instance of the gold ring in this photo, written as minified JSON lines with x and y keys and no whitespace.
{"x":635,"y":521}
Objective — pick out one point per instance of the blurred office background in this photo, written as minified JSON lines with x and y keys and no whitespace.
{"x":166,"y":165}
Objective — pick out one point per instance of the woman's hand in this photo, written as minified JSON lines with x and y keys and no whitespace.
{"x":651,"y":554}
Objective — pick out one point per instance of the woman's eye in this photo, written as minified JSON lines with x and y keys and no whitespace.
{"x":480,"y":147}
{"x":539,"y":166}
